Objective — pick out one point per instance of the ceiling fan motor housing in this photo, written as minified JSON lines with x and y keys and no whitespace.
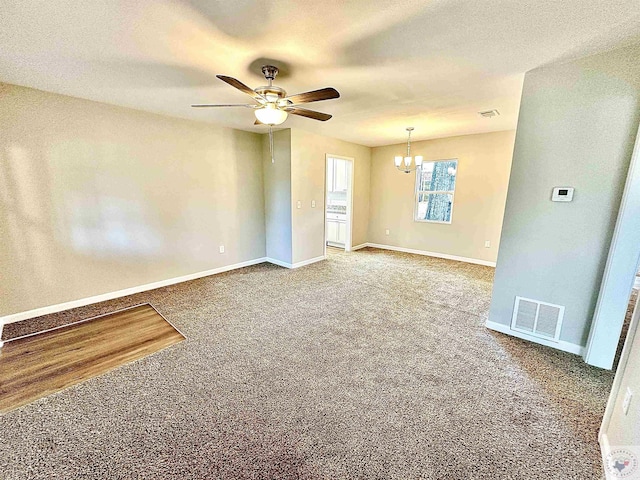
{"x":270,"y":72}
{"x":271,"y":93}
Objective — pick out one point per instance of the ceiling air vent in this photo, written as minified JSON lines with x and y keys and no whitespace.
{"x":489,"y":113}
{"x":537,"y":318}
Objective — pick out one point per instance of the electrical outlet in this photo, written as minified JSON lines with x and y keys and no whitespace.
{"x":299,"y":204}
{"x":386,"y":232}
{"x":313,"y":204}
{"x":487,"y":244}
{"x":221,"y":248}
{"x":627,"y":401}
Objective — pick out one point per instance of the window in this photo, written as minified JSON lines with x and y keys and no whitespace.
{"x":435,"y":185}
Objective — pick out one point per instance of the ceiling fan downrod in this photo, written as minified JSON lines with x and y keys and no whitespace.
{"x":270,"y":73}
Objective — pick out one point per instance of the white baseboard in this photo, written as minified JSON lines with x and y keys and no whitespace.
{"x":446,"y":256}
{"x":309,"y":262}
{"x":560,"y":345}
{"x":297,"y":264}
{"x":280,"y":263}
{"x":37,"y":312}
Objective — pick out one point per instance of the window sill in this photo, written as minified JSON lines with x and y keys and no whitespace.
{"x":432,"y":221}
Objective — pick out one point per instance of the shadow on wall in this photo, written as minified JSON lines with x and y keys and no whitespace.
{"x":100,"y":209}
{"x":25,"y":231}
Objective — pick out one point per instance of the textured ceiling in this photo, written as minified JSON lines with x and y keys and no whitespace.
{"x":428,"y":64}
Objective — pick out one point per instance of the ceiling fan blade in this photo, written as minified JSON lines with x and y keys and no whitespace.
{"x":314,"y":96}
{"x":303,"y":112}
{"x":206,"y":105}
{"x":240,"y":86}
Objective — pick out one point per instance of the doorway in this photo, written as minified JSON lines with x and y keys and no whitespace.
{"x":338,"y":201}
{"x":619,"y":274}
{"x":633,"y":300}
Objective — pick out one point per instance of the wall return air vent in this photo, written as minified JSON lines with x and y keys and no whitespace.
{"x":537,"y":318}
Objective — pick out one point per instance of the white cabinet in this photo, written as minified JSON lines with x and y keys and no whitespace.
{"x":340,"y":176}
{"x":336,"y":232}
{"x":332,"y":231}
{"x":337,"y":175}
{"x":342,"y":232}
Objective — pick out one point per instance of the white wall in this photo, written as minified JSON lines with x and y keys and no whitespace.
{"x":577,"y":126}
{"x":484,"y":161}
{"x":96,"y":198}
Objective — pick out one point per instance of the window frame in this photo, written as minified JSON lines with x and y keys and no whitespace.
{"x":430,"y":192}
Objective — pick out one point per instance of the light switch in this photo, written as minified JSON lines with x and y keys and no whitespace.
{"x":386,"y":232}
{"x":299,"y":204}
{"x":487,"y":244}
{"x":221,"y":248}
{"x":313,"y":204}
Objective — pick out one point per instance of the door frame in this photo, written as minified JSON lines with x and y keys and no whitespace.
{"x":351,"y":162}
{"x":615,"y":393}
{"x":619,"y":273}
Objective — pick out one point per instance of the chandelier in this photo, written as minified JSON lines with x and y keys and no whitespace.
{"x":404,"y":163}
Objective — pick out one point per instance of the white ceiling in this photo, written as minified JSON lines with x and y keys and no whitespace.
{"x":428,"y":64}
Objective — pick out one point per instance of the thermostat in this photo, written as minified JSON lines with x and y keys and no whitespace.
{"x":562,"y":194}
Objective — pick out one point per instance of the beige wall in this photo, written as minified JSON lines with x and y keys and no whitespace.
{"x":277,"y":195}
{"x":96,"y":198}
{"x":308,"y":154}
{"x":577,"y":127}
{"x":484,"y":161}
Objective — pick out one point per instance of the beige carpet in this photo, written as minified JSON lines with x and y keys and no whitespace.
{"x":368,"y":365}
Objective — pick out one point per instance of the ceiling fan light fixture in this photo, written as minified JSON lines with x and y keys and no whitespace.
{"x":271,"y":115}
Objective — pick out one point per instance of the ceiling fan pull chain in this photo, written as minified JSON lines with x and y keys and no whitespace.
{"x":273,"y":160}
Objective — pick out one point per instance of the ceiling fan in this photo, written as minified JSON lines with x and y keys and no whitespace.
{"x":272,"y":105}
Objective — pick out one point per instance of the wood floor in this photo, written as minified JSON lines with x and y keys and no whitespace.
{"x":39,"y":365}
